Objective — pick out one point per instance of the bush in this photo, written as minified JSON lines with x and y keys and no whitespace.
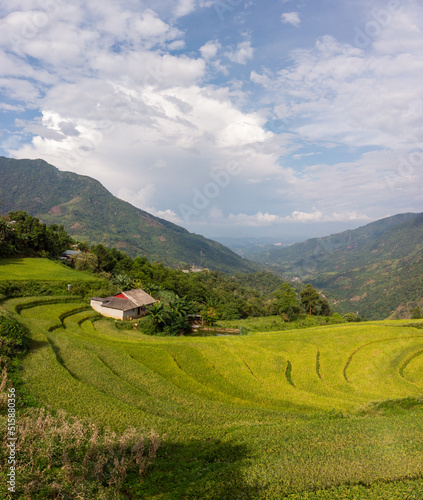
{"x":416,"y":313}
{"x":14,"y":337}
{"x":99,"y":288}
{"x":351,"y":317}
{"x":335,"y":319}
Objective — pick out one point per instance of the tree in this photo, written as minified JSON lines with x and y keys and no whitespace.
{"x":313,"y":303}
{"x":86,"y":262}
{"x":168,"y":316}
{"x":105,"y":261}
{"x":156,"y":315}
{"x":181,"y":307}
{"x":324,"y":307}
{"x":310,"y":300}
{"x":351,"y":317}
{"x":58,"y":240}
{"x":7,"y":247}
{"x":209,"y":316}
{"x":124,"y":281}
{"x":31,"y":236}
{"x":416,"y":313}
{"x":286,"y":303}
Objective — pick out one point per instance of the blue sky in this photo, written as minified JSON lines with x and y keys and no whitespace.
{"x":228,"y":117}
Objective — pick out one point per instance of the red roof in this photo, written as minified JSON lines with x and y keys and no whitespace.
{"x":121,"y":296}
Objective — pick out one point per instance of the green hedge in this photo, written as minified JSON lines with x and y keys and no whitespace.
{"x":11,"y":289}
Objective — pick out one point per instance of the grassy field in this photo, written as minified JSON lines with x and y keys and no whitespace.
{"x":39,"y":270}
{"x":323,"y":413}
{"x":274,"y":323}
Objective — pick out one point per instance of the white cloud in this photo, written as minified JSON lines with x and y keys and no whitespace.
{"x":243,"y":53}
{"x":367,"y":182}
{"x":265,"y":219}
{"x":172,"y":137}
{"x":185,"y":7}
{"x":291,"y":18}
{"x":259,"y":219}
{"x":318,"y":216}
{"x":149,"y":25}
{"x":141,"y":198}
{"x":169,"y":215}
{"x":339,"y":93}
{"x":176,"y":45}
{"x":210,"y":49}
{"x":9,"y":107}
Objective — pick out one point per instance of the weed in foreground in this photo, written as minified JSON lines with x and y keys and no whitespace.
{"x":63,"y":457}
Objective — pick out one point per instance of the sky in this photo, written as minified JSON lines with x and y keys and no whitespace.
{"x":277,"y":118}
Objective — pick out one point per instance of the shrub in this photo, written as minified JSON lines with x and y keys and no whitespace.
{"x":416,"y":313}
{"x":335,"y":319}
{"x":351,"y":317}
{"x":13,"y":335}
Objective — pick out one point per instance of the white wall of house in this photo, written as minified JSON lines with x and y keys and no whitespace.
{"x":116,"y":313}
{"x":106,"y":311}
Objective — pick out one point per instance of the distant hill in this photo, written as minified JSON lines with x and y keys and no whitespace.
{"x":91,"y":213}
{"x":376,"y":269}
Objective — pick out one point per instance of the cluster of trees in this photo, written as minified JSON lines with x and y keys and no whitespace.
{"x":216,"y":295}
{"x":22,"y":234}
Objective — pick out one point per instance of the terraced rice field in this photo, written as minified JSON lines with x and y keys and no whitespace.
{"x":40,"y":270}
{"x":297,"y":414}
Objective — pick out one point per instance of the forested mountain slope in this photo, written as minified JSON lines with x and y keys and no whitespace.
{"x":89,"y":212}
{"x":376,"y":268}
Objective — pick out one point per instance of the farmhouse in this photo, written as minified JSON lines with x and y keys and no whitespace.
{"x":125,"y":305}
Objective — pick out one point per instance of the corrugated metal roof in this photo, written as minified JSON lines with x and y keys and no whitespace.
{"x":71,"y":252}
{"x":139,"y":297}
{"x":135,"y":298}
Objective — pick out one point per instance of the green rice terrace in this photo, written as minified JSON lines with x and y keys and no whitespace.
{"x":44,"y":270}
{"x":327,"y":412}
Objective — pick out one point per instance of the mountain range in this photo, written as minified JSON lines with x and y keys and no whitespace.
{"x":375,"y":270}
{"x":89,"y":212}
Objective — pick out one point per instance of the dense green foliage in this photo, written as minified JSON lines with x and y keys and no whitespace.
{"x":286,"y":303}
{"x":21,"y":233}
{"x":323,"y":413}
{"x":313,"y":303}
{"x":279,"y":323}
{"x":13,"y":336}
{"x":168,"y":316}
{"x":90,"y":213}
{"x":213,"y":293}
